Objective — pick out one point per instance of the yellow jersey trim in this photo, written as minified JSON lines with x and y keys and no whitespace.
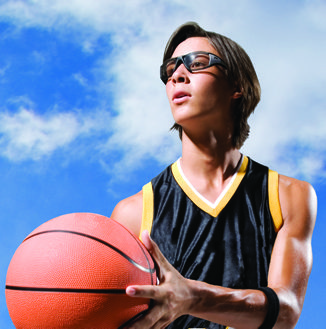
{"x":274,"y":200}
{"x":200,"y":202}
{"x":148,"y":209}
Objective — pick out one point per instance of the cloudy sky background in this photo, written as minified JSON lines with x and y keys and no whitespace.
{"x":84,"y":120}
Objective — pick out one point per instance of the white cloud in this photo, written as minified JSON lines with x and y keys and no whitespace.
{"x":104,"y":16}
{"x":80,"y":79}
{"x":285,"y":41}
{"x":3,"y":70}
{"x":315,"y":12}
{"x":27,"y":135}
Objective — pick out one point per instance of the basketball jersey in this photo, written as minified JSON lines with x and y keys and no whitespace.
{"x":228,"y":243}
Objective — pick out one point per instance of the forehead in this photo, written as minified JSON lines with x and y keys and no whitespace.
{"x":194,"y":44}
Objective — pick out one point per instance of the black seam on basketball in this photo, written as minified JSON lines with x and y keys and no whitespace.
{"x":142,"y":268}
{"x":142,"y":247}
{"x":77,"y":290}
{"x":133,"y":319}
{"x":148,"y":262}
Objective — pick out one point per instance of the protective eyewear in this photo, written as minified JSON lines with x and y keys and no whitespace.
{"x":195,"y":61}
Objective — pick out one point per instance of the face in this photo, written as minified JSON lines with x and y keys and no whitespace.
{"x":202,"y":98}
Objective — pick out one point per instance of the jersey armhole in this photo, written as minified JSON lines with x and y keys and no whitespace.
{"x":148,"y":209}
{"x":274,"y":200}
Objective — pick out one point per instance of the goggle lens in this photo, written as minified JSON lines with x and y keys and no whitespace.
{"x":194,"y":61}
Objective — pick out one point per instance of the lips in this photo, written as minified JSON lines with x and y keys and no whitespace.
{"x":180,"y":96}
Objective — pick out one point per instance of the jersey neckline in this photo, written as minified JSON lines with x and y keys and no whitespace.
{"x":215,"y":208}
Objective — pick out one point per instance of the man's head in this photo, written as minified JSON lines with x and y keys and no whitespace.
{"x":239,"y":71}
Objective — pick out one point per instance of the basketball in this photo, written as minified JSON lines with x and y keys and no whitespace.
{"x":72,"y":272}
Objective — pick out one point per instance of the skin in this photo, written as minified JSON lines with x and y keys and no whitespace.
{"x":209,"y":160}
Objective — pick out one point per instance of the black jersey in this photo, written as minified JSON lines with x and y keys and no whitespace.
{"x":228,"y":243}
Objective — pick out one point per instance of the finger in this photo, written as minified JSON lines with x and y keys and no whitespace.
{"x":145,"y":291}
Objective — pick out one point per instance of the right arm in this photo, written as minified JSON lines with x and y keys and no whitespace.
{"x":128,"y":212}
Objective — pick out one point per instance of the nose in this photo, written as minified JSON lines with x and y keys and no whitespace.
{"x":180,"y":73}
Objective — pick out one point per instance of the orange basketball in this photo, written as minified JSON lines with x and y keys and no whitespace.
{"x":72,"y":272}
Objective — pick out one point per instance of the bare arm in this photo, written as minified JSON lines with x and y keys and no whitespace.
{"x":291,"y":261}
{"x":128,"y":212}
{"x":289,"y":272}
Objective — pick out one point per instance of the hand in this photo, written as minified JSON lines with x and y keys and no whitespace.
{"x":172,"y":297}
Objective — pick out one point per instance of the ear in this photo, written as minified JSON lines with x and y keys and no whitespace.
{"x":237,"y":91}
{"x":237,"y":94}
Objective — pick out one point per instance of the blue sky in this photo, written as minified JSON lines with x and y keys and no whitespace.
{"x":84,"y":120}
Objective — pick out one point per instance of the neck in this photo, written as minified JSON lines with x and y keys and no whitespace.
{"x":209,"y":151}
{"x":209,"y":162}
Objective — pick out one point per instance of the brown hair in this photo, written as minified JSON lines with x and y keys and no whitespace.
{"x":240,"y":72}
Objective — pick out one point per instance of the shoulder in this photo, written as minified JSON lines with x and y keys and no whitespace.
{"x":129,"y":211}
{"x":298,"y":202}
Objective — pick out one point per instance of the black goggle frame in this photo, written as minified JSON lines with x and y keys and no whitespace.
{"x":187,"y":60}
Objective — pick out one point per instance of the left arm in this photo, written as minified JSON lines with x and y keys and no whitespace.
{"x":290,"y":267}
{"x":291,"y":261}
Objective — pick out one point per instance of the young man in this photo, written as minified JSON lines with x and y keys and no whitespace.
{"x":236,"y":236}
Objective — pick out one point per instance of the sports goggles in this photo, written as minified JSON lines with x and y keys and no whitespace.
{"x":195,"y":61}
